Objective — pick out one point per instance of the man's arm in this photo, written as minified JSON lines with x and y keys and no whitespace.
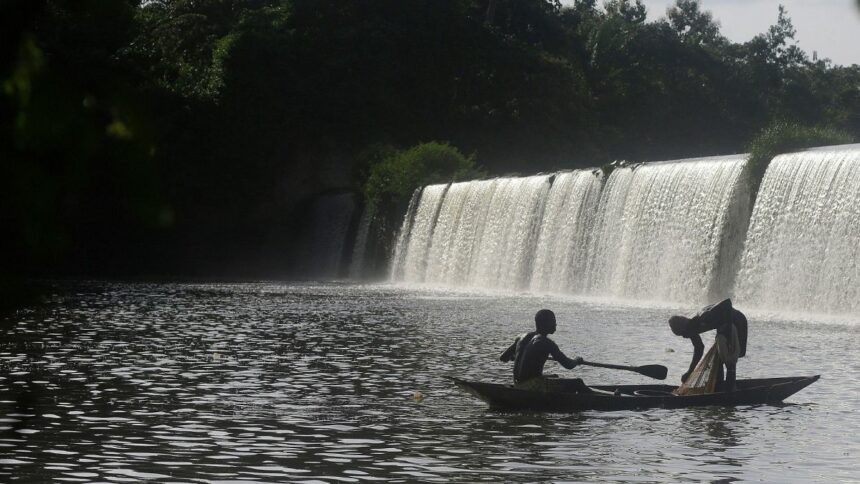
{"x":698,"y":350}
{"x":560,"y":357}
{"x":510,"y":353}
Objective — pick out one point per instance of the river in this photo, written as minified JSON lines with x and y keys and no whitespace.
{"x":316,"y":382}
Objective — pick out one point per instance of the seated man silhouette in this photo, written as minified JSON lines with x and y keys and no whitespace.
{"x":530,"y":352}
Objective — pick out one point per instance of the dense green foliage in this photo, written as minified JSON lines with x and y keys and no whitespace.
{"x":187,"y":136}
{"x":78,"y":169}
{"x":785,"y":137}
{"x":394,"y":177}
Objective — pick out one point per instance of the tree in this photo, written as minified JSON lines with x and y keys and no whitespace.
{"x":534,"y":22}
{"x":694,"y":25}
{"x":778,"y":46}
{"x":262,"y":105}
{"x":179,"y":42}
{"x":631,"y":11}
{"x":78,"y":175}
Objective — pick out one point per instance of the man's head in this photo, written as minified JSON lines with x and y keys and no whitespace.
{"x":680,"y":325}
{"x":545,"y":321}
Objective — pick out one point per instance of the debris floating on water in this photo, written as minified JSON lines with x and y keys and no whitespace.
{"x":418,"y":396}
{"x":670,"y":350}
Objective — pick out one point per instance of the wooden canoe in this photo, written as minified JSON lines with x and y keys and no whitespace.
{"x":634,"y":397}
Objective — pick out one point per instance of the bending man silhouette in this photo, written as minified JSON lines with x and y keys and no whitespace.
{"x":729,"y":344}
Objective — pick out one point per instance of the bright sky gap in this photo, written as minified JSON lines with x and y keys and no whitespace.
{"x":829,"y":28}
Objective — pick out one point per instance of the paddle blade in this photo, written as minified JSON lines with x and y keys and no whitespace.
{"x":657,"y":372}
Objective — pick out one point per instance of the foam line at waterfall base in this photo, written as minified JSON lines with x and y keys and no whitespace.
{"x":436,"y":291}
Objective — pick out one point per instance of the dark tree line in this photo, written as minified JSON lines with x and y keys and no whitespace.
{"x":188,"y":136}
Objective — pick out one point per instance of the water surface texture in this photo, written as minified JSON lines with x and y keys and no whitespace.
{"x":273,"y":382}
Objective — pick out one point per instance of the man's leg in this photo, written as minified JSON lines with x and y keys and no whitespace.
{"x":729,"y":385}
{"x":574,"y":385}
{"x":536,"y":384}
{"x":721,"y":377}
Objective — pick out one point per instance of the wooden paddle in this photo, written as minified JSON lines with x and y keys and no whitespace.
{"x":654,"y":371}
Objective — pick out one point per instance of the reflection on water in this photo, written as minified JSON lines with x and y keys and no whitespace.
{"x":270,"y":382}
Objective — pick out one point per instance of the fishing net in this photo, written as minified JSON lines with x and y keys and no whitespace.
{"x":704,"y":378}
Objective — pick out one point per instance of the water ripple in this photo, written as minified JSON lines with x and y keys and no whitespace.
{"x":315,"y":383}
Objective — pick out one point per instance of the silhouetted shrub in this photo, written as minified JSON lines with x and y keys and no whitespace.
{"x":785,"y":137}
{"x":393,"y":178}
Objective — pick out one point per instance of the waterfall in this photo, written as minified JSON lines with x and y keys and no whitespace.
{"x":479,"y":233}
{"x":458,"y":232}
{"x":676,"y":231}
{"x":403,"y":236}
{"x":410,"y":261}
{"x":669,"y":231}
{"x":322,"y":247}
{"x":508,"y":215}
{"x":802,"y":247}
{"x":660,"y":227}
{"x":359,"y":250}
{"x":560,"y":255}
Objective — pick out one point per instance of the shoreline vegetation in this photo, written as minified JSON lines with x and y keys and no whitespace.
{"x":192,"y":138}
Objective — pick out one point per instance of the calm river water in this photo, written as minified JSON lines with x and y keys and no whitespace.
{"x":280,"y":382}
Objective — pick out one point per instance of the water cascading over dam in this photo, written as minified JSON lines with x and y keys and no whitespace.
{"x":410,"y":253}
{"x":669,"y":231}
{"x":479,"y":233}
{"x":672,"y":231}
{"x":565,"y":230}
{"x":659,"y":231}
{"x":803,"y":245}
{"x":320,"y":252}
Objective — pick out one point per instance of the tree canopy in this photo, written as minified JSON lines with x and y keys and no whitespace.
{"x":188,"y":131}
